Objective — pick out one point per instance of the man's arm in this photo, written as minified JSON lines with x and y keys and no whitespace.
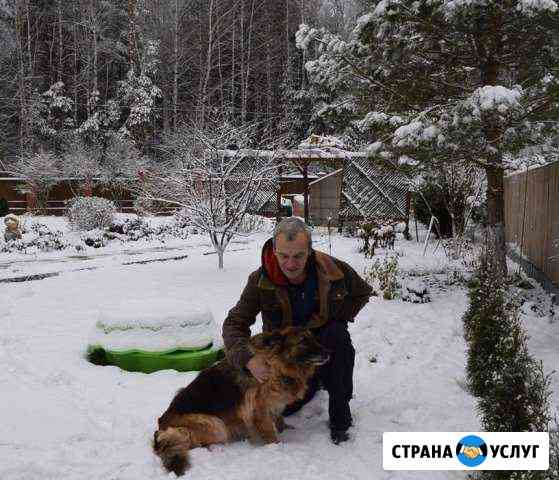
{"x":236,"y":327}
{"x":359,"y":292}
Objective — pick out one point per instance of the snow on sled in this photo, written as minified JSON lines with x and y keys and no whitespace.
{"x":155,"y":336}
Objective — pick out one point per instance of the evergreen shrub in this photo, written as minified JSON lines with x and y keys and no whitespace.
{"x":511,"y":386}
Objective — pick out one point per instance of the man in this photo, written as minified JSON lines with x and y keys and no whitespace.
{"x":299,"y":286}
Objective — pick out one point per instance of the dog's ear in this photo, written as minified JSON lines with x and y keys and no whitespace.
{"x":265,"y":341}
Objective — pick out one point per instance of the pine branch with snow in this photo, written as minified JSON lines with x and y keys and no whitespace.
{"x":448,"y":81}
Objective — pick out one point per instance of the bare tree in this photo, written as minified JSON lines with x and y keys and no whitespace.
{"x":83,"y":163}
{"x":217,"y":186}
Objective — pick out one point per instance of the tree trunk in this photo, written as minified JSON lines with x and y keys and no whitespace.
{"x":496,"y":213}
{"x":94,"y":20}
{"x":209,"y":62}
{"x":60,"y":42}
{"x":75,"y":73}
{"x":132,"y":50}
{"x":489,"y":48}
{"x":23,"y":37}
{"x":176,"y":67}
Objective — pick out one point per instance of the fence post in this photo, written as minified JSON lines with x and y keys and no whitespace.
{"x":428,"y":234}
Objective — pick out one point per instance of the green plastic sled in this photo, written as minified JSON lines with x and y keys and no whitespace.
{"x":148,"y":362}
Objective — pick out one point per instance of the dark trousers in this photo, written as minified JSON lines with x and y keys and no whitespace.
{"x":336,"y":376}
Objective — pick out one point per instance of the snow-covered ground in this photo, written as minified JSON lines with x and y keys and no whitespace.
{"x":63,"y":418}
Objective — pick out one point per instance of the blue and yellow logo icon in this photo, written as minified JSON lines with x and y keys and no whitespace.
{"x":471,"y":451}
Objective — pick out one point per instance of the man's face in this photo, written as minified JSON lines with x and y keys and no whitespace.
{"x":292,"y":256}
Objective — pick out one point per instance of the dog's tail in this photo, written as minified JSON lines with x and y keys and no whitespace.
{"x":172,"y":446}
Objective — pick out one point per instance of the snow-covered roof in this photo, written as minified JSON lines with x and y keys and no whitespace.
{"x":322,"y":141}
{"x":369,"y":192}
{"x":335,"y":172}
{"x":314,"y":153}
{"x":298,"y":176}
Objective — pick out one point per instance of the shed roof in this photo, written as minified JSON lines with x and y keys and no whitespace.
{"x":369,"y":191}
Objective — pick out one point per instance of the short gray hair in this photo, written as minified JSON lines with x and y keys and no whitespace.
{"x":291,"y":227}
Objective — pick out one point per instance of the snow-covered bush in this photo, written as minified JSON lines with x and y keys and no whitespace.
{"x":374,"y":234}
{"x":136,"y":229}
{"x":366,"y":232}
{"x":415,"y":291}
{"x":174,"y":231}
{"x":88,"y":213}
{"x":382,"y":276}
{"x":39,"y":239}
{"x":95,"y":238}
{"x":132,"y":229}
{"x":462,"y":250}
{"x":182,"y":218}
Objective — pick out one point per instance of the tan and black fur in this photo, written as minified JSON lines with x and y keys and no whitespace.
{"x":224,"y":404}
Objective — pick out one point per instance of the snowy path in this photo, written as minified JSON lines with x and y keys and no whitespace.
{"x":63,"y":418}
{"x":44,"y":266}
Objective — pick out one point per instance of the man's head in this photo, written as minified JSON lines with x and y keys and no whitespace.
{"x":292,"y":247}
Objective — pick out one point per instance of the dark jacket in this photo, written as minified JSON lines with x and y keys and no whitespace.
{"x":342,"y":293}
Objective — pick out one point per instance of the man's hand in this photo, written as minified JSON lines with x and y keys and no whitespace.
{"x":259,"y":368}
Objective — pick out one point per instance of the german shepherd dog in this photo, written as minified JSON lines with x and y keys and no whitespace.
{"x":224,"y":404}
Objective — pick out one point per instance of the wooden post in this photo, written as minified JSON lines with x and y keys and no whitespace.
{"x":306,"y":192}
{"x":87,"y":189}
{"x":428,"y":234}
{"x":407,"y":235}
{"x":278,"y":196}
{"x":31,"y":200}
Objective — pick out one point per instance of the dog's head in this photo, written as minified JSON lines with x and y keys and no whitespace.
{"x":293,"y":344}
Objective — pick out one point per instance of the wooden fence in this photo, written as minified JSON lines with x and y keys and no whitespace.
{"x":532,"y":219}
{"x":20,"y":203}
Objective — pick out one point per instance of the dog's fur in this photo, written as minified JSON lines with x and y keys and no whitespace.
{"x":224,"y":404}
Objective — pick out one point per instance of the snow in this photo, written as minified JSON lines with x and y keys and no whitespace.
{"x":526,"y":7}
{"x":374,"y":147}
{"x":413,"y":133}
{"x":495,"y":97}
{"x":304,"y":36}
{"x":64,"y":418}
{"x":157,"y":325}
{"x":321,"y":141}
{"x":535,"y":6}
{"x":383,"y":6}
{"x":407,"y":160}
